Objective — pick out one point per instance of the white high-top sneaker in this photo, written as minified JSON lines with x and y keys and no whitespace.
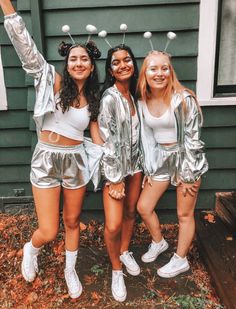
{"x":131,"y":265}
{"x":73,"y":284}
{"x":154,"y":249}
{"x":176,"y":265}
{"x":29,"y":265}
{"x":118,"y":287}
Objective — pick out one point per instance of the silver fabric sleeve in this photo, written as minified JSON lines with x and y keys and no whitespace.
{"x":34,"y":64}
{"x":111,"y":160}
{"x":193,"y":161}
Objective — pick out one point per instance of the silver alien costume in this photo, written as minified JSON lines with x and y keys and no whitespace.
{"x":185,"y":161}
{"x":121,"y":154}
{"x":44,"y":77}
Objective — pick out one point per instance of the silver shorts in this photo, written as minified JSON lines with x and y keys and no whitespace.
{"x":54,"y":165}
{"x":167,"y":167}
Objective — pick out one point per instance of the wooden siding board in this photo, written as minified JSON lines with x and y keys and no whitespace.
{"x":216,"y":158}
{"x":17,"y":98}
{"x":15,"y":156}
{"x":14,"y":120}
{"x":7,"y":189}
{"x":136,"y":41}
{"x":61,"y":4}
{"x":9,"y":56}
{"x":214,"y":117}
{"x":15,"y":138}
{"x":155,"y":19}
{"x":14,"y":77}
{"x":16,"y":173}
{"x":219,"y":137}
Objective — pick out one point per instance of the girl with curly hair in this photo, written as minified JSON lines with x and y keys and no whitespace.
{"x":65,"y":106}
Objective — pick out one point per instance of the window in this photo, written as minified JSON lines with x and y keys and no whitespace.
{"x":3,"y":96}
{"x":216,"y":80}
{"x":225,"y":62}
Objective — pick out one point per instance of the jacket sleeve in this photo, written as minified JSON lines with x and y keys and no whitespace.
{"x":193,"y":161}
{"x":107,"y":120}
{"x":31,"y":59}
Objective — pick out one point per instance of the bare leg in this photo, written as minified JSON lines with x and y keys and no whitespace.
{"x":146,"y":207}
{"x":113,"y":223}
{"x":47,"y":209}
{"x":132,"y":188}
{"x":73,"y":202}
{"x":185,"y":211}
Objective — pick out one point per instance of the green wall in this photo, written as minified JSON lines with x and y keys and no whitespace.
{"x":17,"y":130}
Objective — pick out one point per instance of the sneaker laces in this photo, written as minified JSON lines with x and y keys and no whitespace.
{"x":72,"y":279}
{"x":31,"y":264}
{"x":129,"y":257}
{"x":118,"y":279}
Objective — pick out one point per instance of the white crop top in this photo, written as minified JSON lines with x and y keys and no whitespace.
{"x":71,"y":123}
{"x":135,"y":132}
{"x":164,"y":127}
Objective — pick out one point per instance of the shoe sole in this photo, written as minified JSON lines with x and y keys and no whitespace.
{"x":154,"y":258}
{"x":133,"y":273}
{"x":171,"y":275}
{"x":118,"y":298}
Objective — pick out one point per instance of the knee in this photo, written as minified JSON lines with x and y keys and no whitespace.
{"x":71,"y":223}
{"x":142,"y":209}
{"x":184,"y":216}
{"x":113,"y":229}
{"x":48,"y":234}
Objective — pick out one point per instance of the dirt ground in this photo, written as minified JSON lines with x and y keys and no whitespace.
{"x":189,"y":290}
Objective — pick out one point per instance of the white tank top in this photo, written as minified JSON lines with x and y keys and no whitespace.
{"x":164,"y":127}
{"x":71,"y":123}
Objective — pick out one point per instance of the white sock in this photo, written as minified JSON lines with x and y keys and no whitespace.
{"x":179,"y":257}
{"x":158,"y":243}
{"x":71,"y":257}
{"x":33,"y":250}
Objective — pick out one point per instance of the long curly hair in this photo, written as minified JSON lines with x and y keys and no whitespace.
{"x":69,"y":90}
{"x":110,"y":80}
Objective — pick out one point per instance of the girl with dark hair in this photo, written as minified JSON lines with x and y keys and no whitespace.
{"x":65,"y":106}
{"x":119,"y":128}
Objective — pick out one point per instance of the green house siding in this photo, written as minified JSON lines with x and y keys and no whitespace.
{"x":17,"y":129}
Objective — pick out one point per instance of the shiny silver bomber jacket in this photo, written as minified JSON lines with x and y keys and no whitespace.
{"x":120,"y":157}
{"x":191,"y":160}
{"x":35,"y":65}
{"x":43,"y":73}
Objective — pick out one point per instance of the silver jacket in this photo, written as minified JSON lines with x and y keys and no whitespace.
{"x":191,"y":160}
{"x":43,"y":73}
{"x":121,"y":157}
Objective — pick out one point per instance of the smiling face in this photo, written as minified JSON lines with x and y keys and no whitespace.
{"x":122,"y":67}
{"x":158,"y":71}
{"x":79,"y":64}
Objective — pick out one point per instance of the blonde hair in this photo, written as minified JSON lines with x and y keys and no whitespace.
{"x":174,"y":86}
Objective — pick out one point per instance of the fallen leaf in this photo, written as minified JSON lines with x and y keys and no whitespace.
{"x":82,"y":226}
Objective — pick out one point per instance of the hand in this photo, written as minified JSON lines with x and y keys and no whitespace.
{"x":117,"y":190}
{"x":147,"y":179}
{"x":189,"y":188}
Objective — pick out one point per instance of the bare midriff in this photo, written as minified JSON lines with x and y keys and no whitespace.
{"x":53,"y":138}
{"x":168,"y":144}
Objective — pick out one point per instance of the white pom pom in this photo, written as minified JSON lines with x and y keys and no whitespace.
{"x":123,"y":27}
{"x":102,"y":34}
{"x":91,"y":28}
{"x":147,"y":35}
{"x":171,"y":35}
{"x":65,"y":28}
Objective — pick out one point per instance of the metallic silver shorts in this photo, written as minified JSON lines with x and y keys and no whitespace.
{"x":167,"y":168}
{"x":54,"y":165}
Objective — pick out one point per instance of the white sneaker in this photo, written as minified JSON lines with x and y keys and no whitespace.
{"x":73,"y":284}
{"x":177,"y":265}
{"x":29,"y":265}
{"x":154,"y":250}
{"x":118,"y":287}
{"x":131,"y":265}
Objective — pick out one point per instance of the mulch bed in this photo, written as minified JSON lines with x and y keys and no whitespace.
{"x":190,"y":290}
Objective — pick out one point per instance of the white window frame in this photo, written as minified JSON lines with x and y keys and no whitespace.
{"x":206,"y":55}
{"x":3,"y":93}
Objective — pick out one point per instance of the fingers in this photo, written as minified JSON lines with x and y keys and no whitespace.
{"x":190,"y":190}
{"x":149,"y":180}
{"x":116,"y":194}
